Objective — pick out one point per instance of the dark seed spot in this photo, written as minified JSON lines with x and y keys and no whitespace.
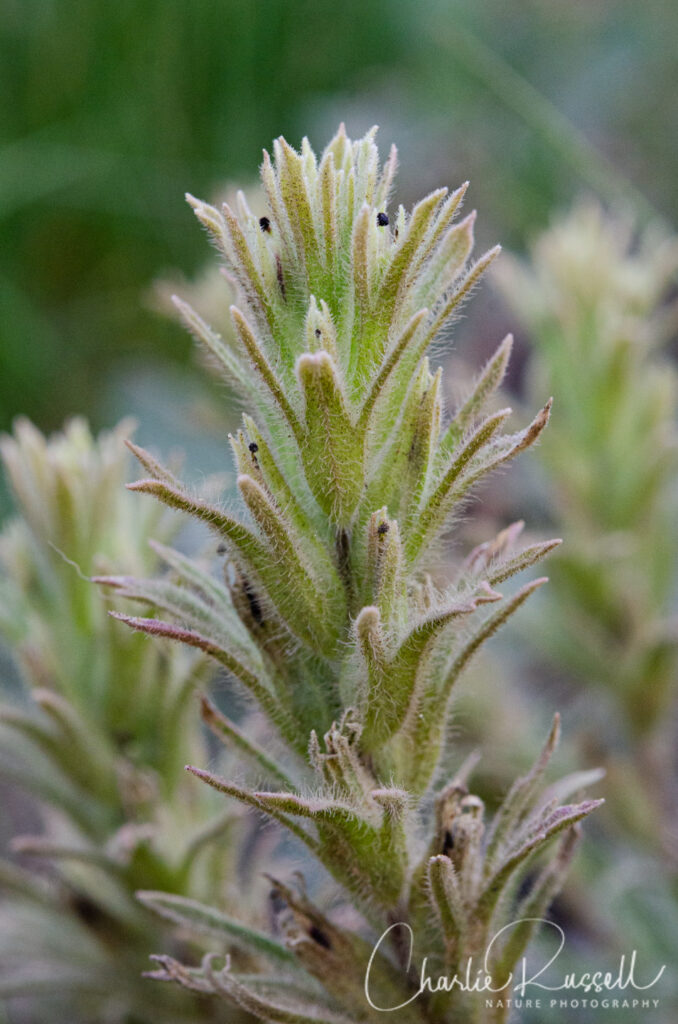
{"x":253,"y":447}
{"x":89,"y":913}
{"x":319,"y":937}
{"x":222,"y":549}
{"x":382,"y":219}
{"x":123,"y":738}
{"x":526,"y":886}
{"x":448,"y":842}
{"x":343,"y":545}
{"x":382,"y":529}
{"x":253,"y":602}
{"x":278,"y":903}
{"x":279,"y":275}
{"x":318,"y":332}
{"x":265,"y":224}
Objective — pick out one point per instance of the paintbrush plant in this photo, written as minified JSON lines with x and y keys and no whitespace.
{"x":595,"y":298}
{"x":333,"y":617}
{"x":95,"y":747}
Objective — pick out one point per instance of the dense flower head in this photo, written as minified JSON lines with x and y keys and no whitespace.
{"x":351,"y":472}
{"x":348,"y":469}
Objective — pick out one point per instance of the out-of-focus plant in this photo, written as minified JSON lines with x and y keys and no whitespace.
{"x":210,"y":292}
{"x":595,"y":299}
{"x":332,"y":622}
{"x":98,"y":745}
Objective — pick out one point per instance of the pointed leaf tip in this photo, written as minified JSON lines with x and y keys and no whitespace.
{"x":368,"y":616}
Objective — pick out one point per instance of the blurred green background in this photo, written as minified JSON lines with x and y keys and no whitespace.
{"x":110,"y":111}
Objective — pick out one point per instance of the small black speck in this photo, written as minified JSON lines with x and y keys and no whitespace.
{"x":382,"y":529}
{"x":395,"y":233}
{"x":222,"y":549}
{"x":253,"y":602}
{"x":89,"y":913}
{"x":277,"y":901}
{"x":318,"y":332}
{"x":265,"y":224}
{"x":382,"y":219}
{"x":253,"y":447}
{"x":526,"y":885}
{"x":281,"y":279}
{"x":319,"y":937}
